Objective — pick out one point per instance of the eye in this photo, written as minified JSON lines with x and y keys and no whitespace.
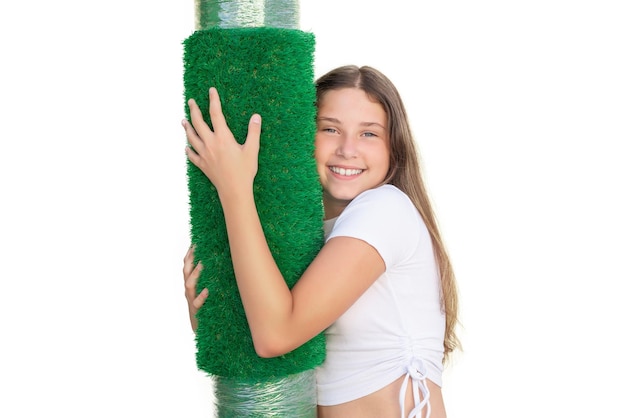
{"x":370,"y":134}
{"x":329,"y":130}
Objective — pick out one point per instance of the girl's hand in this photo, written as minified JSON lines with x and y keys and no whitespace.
{"x":230,"y":166}
{"x":191,"y":273}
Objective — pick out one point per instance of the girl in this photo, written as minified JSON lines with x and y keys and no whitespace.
{"x":382,"y":288}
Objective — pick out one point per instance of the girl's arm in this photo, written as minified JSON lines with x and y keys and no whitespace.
{"x":280,"y":320}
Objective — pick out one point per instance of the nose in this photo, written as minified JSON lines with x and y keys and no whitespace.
{"x":347,"y":147}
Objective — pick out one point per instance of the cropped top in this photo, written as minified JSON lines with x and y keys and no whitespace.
{"x":396,"y":328}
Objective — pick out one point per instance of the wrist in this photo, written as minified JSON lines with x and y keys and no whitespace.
{"x":235,"y":195}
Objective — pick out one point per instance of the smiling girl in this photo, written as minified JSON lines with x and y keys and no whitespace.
{"x":382,"y":288}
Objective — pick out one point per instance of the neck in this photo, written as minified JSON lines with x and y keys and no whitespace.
{"x":333,"y":207}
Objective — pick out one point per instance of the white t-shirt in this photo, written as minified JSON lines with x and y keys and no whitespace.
{"x":396,"y":328}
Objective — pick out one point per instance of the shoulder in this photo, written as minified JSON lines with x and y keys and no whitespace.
{"x":383,"y":217}
{"x":386,"y":199}
{"x":386,"y":190}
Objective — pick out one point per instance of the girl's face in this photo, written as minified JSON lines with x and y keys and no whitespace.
{"x":351,"y":146}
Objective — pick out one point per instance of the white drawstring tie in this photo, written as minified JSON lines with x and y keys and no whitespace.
{"x":416,"y":371}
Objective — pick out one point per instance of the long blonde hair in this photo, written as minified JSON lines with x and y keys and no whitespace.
{"x":404,"y":173}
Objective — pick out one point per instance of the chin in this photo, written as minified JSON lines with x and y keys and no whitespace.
{"x":344,"y":195}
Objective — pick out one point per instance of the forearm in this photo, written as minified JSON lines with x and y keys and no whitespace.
{"x":266,"y":298}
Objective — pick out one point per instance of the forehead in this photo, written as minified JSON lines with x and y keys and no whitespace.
{"x":349,"y":104}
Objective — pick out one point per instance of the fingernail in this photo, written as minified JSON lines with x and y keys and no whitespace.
{"x":256,"y":119}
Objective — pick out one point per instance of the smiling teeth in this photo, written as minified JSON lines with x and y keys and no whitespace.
{"x":344,"y":172}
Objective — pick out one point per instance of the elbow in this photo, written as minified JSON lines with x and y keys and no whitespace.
{"x":270,"y":347}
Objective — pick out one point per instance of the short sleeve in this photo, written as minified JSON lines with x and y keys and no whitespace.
{"x":383,"y":217}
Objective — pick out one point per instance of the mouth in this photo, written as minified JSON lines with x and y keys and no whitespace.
{"x":348,"y":172}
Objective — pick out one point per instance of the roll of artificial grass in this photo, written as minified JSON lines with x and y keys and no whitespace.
{"x":267,"y":71}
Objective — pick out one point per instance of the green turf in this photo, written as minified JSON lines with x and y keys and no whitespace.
{"x":267,"y":71}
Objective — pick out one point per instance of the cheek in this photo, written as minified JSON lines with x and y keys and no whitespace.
{"x":319,"y":150}
{"x":317,"y":154}
{"x":385,"y":158}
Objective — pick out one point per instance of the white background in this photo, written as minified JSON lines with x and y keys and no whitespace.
{"x":519,"y":111}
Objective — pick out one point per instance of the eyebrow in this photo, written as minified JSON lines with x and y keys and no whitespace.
{"x":337,"y":121}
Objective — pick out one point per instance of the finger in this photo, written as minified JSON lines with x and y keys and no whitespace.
{"x":197,"y":120}
{"x":193,"y":156}
{"x":215,"y":110}
{"x":191,"y":281}
{"x":188,"y":265}
{"x":192,"y":136}
{"x":253,"y":140}
{"x":201,"y":298}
